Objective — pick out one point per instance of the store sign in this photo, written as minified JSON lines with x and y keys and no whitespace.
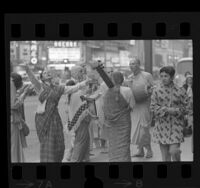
{"x":65,"y":44}
{"x":13,"y":51}
{"x":34,"y":53}
{"x":61,"y":54}
{"x":132,"y":42}
{"x":124,"y":58}
{"x":24,"y":52}
{"x":115,"y":60}
{"x":164,"y":43}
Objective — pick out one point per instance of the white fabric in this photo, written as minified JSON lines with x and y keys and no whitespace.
{"x":128,"y":96}
{"x":189,"y":91}
{"x":141,"y":115}
{"x":41,"y":107}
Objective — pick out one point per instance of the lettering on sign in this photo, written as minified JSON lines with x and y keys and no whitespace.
{"x":33,"y":53}
{"x":65,"y":44}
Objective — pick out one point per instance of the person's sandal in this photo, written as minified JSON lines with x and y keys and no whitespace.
{"x":149,"y":155}
{"x":140,"y":154}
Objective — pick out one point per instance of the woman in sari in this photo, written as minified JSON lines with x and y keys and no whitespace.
{"x":18,"y":140}
{"x":47,"y":119}
{"x":169,"y":104}
{"x":118,"y":102}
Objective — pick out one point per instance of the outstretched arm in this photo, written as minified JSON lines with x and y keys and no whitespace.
{"x":73,"y":89}
{"x":99,"y":68}
{"x":33,"y":79}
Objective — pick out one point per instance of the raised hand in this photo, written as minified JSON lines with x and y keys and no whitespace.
{"x":94,"y":64}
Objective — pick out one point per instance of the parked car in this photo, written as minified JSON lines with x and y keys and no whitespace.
{"x":183,"y":65}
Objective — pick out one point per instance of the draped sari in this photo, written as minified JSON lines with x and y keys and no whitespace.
{"x":49,"y":126}
{"x":118,"y":121}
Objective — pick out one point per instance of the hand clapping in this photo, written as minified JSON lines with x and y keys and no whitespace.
{"x":172,"y":111}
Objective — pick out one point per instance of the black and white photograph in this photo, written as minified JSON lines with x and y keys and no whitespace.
{"x":101,"y":101}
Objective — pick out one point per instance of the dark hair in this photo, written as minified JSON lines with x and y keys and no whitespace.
{"x":117,"y":77}
{"x":169,"y":70}
{"x":41,"y":75}
{"x":17,"y":80}
{"x":136,"y":59}
{"x":67,"y":69}
{"x":70,"y":83}
{"x":188,"y":72}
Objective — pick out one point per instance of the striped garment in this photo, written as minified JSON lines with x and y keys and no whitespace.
{"x":50,"y":129}
{"x":77,"y":115}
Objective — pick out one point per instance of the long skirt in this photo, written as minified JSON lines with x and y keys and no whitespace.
{"x":119,"y":140}
{"x":82,"y":142}
{"x":52,"y":146}
{"x":141,"y":123}
{"x":142,"y":136}
{"x":17,"y":154}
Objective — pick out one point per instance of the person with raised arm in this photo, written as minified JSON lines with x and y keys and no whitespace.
{"x":118,"y":102}
{"x":48,"y":122}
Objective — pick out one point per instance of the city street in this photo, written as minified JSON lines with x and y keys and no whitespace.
{"x":32,"y":152}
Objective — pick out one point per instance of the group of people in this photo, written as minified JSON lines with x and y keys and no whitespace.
{"x":124,"y":112}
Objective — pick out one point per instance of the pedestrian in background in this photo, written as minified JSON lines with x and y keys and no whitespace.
{"x":18,"y":125}
{"x":188,"y":86}
{"x":169,"y":104}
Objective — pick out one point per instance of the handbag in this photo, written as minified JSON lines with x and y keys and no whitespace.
{"x":25,"y":129}
{"x":187,"y":131}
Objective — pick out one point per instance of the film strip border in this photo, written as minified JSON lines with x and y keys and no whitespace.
{"x":106,"y":26}
{"x":137,"y":175}
{"x":88,"y":30}
{"x":94,"y":26}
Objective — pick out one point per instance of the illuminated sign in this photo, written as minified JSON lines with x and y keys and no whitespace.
{"x":65,"y":44}
{"x":24,"y":52}
{"x":34,"y":53}
{"x":60,"y":54}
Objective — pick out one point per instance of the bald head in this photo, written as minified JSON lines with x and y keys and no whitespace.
{"x":134,"y":65}
{"x":77,"y":72}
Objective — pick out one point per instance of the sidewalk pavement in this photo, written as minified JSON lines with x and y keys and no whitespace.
{"x":33,"y":151}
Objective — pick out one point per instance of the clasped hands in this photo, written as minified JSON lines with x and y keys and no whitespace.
{"x":172,"y":110}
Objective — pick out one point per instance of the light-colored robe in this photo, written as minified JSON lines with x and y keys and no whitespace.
{"x":141,"y":115}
